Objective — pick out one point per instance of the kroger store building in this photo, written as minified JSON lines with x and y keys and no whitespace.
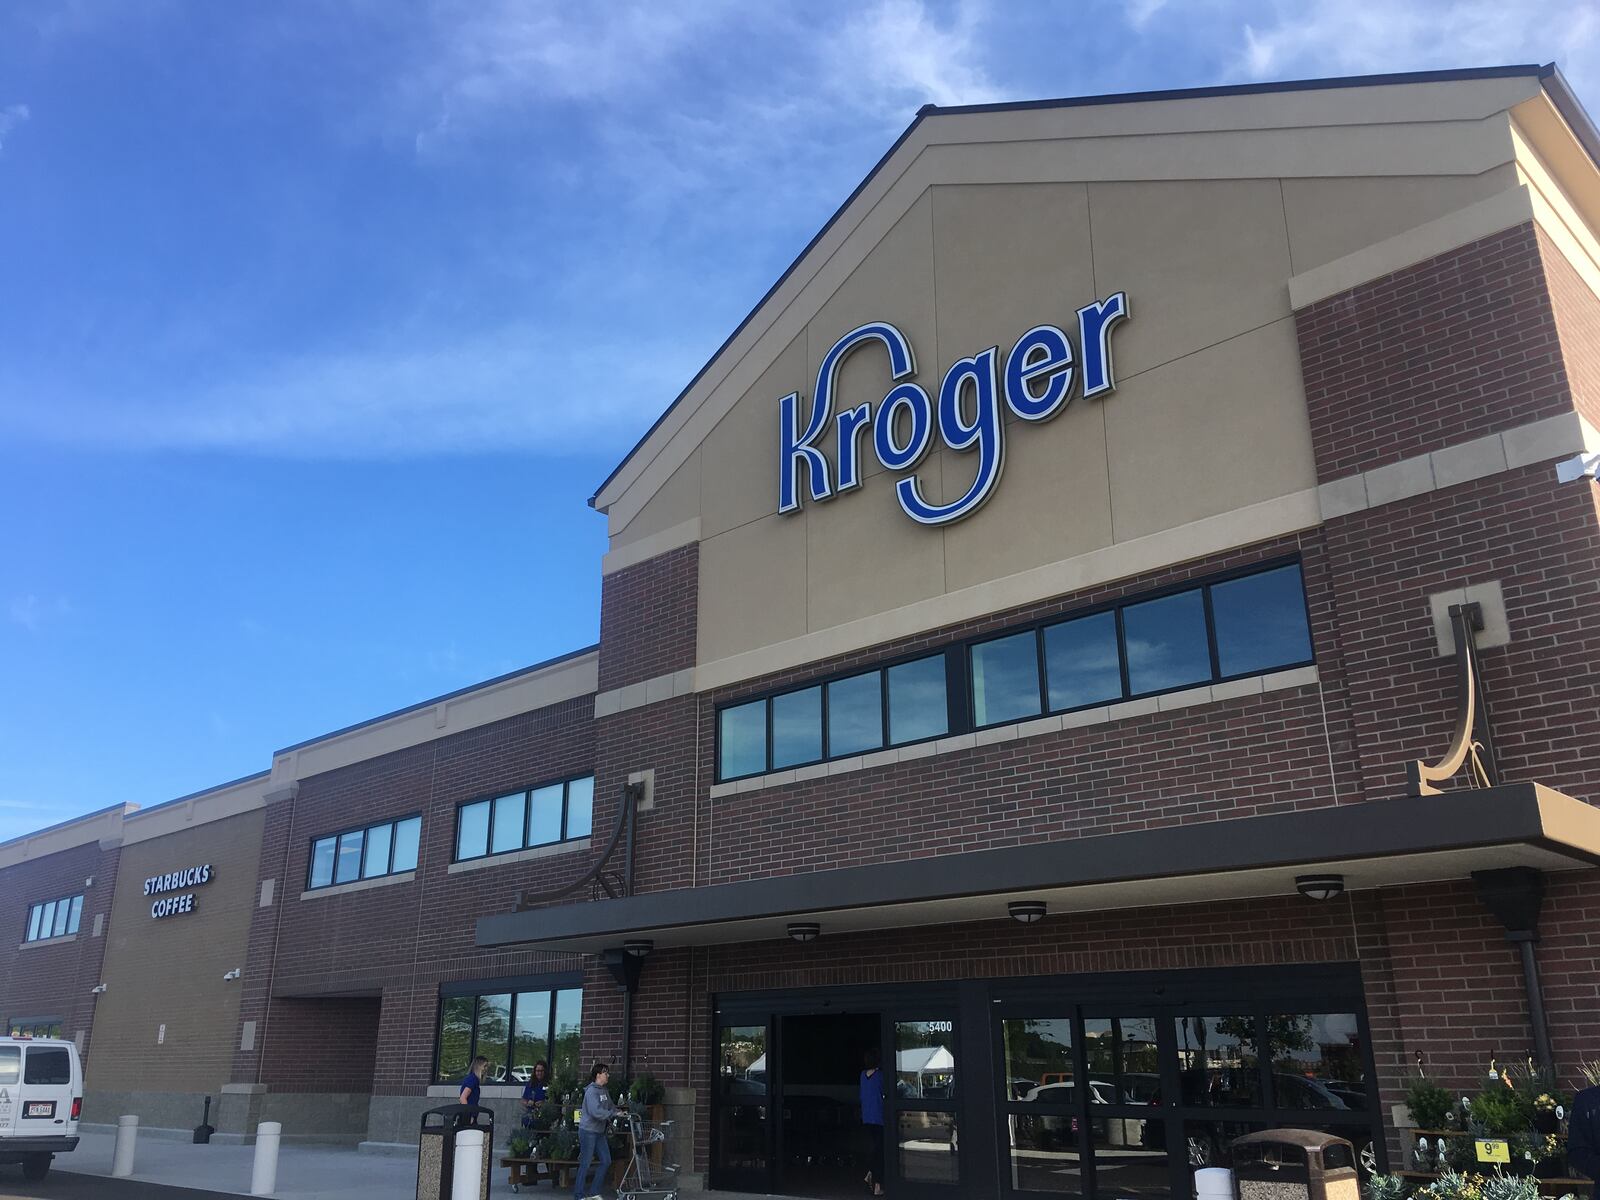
{"x":1116,"y":630}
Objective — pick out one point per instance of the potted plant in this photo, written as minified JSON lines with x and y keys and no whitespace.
{"x":650,"y":1094}
{"x":1429,"y":1103}
{"x":1386,"y":1187}
{"x":520,"y":1146}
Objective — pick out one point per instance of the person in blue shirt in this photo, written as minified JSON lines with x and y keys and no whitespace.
{"x":534,"y":1091}
{"x":592,"y":1121}
{"x":1583,"y":1134}
{"x":472,"y":1085}
{"x":872,"y":1119}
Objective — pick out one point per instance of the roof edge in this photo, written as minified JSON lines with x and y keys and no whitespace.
{"x":1572,"y":111}
{"x":432,"y":700}
{"x":1536,"y":70}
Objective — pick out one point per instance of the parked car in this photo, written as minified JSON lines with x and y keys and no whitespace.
{"x":41,"y":1099}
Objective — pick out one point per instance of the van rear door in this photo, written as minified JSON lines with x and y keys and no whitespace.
{"x":10,"y":1088}
{"x":46,"y":1091}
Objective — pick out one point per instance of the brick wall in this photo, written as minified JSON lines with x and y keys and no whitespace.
{"x":1460,"y":346}
{"x":323,"y":1045}
{"x":647,"y":618}
{"x":402,"y":939}
{"x":1577,"y":318}
{"x":54,"y":979}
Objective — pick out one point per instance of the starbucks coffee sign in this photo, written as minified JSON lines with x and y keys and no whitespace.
{"x":183,"y":882}
{"x":1036,"y":381}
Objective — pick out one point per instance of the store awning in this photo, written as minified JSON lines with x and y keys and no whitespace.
{"x":1377,"y":844}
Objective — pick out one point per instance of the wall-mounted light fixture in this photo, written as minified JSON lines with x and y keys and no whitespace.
{"x":1026,"y":911}
{"x":1319,"y":887}
{"x":98,"y":989}
{"x":639,"y":947}
{"x":804,"y":931}
{"x":232,"y":975}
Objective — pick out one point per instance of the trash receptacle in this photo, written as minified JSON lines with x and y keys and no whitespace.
{"x":436,"y":1148}
{"x":1294,"y":1164}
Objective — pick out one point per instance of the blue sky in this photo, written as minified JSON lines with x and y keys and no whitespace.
{"x":319,"y":323}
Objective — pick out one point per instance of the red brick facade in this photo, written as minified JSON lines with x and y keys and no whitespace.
{"x":55,"y":978}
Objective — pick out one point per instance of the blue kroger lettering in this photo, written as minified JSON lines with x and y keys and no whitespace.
{"x":1035,"y":381}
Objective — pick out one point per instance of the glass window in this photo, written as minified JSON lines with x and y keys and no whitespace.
{"x":472,"y":830}
{"x":375,"y":858}
{"x":918,"y":706}
{"x":34,"y":914}
{"x":1005,"y":679}
{"x":47,"y":919}
{"x":855,"y":714}
{"x":1130,"y":1158}
{"x":569,"y":1034}
{"x":1316,"y":1061}
{"x":925,"y":1060}
{"x":1217,"y":1061}
{"x":927,"y":1147}
{"x":1261,"y":622}
{"x":77,"y":912}
{"x":743,"y":734}
{"x":796,"y":728}
{"x":544,"y":815}
{"x":407,"y":836}
{"x":10,"y":1064}
{"x":1082,"y":663}
{"x":347,"y":867}
{"x":322,"y":851}
{"x":1121,"y":1054}
{"x":580,"y":807}
{"x":509,"y":812}
{"x":494,"y":1034}
{"x":63,"y":911}
{"x":741,"y":1098}
{"x":1039,"y":1059}
{"x":530,"y":1041}
{"x":1044,"y":1154}
{"x":1166,"y":641}
{"x":47,"y":1065}
{"x":455,"y":1037}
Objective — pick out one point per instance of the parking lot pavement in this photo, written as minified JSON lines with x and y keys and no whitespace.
{"x":63,"y":1185}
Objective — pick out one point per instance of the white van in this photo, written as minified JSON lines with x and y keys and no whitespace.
{"x":41,"y":1097}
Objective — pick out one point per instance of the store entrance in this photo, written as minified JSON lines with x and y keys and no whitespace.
{"x":819,"y":1068}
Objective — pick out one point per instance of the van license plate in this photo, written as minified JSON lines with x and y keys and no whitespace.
{"x":39,"y":1108}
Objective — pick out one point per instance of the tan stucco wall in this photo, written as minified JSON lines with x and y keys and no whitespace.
{"x":996,"y":222}
{"x":169,"y":971}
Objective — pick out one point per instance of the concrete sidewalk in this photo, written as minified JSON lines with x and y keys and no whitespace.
{"x":304,"y":1172}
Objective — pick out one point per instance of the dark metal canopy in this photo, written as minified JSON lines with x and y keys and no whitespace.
{"x":1376,"y":844}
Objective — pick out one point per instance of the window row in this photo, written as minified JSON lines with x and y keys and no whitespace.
{"x":557,"y":812}
{"x":54,"y":918}
{"x":513,"y":1030}
{"x":1229,"y":628}
{"x":385,"y":849}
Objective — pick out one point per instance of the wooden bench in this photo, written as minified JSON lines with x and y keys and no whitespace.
{"x":559,"y":1171}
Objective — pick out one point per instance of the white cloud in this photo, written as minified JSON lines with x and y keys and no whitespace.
{"x":10,"y":117}
{"x":32,"y":613}
{"x":514,"y":389}
{"x":893,"y":55}
{"x":1336,"y":37}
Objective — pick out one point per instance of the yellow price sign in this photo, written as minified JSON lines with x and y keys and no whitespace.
{"x":1493,"y":1150}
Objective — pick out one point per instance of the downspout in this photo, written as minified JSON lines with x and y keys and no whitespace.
{"x":1515,"y":895}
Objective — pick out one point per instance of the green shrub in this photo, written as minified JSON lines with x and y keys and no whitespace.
{"x":1510,"y":1187}
{"x":1499,"y":1112}
{"x":1386,"y":1187}
{"x":647,"y":1089}
{"x":1429,"y":1103}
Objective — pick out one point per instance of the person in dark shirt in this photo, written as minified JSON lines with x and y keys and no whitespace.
{"x":872,"y":1119}
{"x":534,"y":1091}
{"x":1583,"y":1133}
{"x":472,"y":1085}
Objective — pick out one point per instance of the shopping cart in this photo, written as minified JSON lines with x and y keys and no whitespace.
{"x":644,"y":1180}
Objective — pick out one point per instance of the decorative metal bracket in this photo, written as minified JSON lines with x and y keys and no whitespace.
{"x":613,"y":882}
{"x":1474,"y":737}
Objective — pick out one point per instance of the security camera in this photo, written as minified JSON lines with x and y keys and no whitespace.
{"x":231,"y":975}
{"x":98,"y":989}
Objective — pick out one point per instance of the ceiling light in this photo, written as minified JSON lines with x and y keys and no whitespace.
{"x":804,"y":931}
{"x":1319,"y":887}
{"x":1026,"y":911}
{"x":639,"y":947}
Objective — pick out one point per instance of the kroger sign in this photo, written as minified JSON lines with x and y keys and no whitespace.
{"x":1036,"y":380}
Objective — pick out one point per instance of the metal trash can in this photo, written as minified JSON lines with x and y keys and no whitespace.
{"x":1294,"y":1164}
{"x":436,"y":1148}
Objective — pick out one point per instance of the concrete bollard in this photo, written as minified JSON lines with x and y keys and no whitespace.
{"x":466,"y":1179}
{"x":264,"y":1171}
{"x":122,"y":1153}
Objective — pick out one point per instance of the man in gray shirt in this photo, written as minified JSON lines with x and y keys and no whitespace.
{"x":592,"y":1122}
